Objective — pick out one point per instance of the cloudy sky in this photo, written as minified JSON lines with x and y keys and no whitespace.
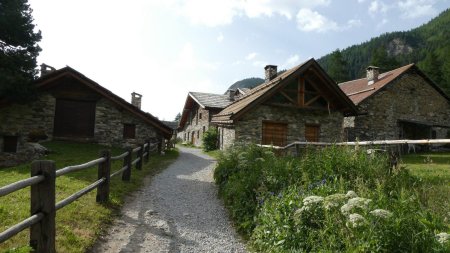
{"x":165,"y":48}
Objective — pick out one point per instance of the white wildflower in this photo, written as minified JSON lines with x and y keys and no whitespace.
{"x":346,"y":209}
{"x":355,"y":220}
{"x":381,"y":213}
{"x":443,"y":237}
{"x":259,"y":159}
{"x":351,"y":194}
{"x":355,"y":203}
{"x":310,"y":200}
{"x":334,"y":200}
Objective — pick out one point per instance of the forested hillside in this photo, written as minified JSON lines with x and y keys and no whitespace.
{"x":427,"y":45}
{"x":247,"y":83}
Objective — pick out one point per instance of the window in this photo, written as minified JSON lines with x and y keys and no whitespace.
{"x":200,"y":116}
{"x":129,"y":131}
{"x":198,"y":134}
{"x":204,"y":128}
{"x":274,"y":133}
{"x":10,"y":144}
{"x":312,"y":133}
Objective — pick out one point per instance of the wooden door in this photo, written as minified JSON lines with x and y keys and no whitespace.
{"x":312,"y":133}
{"x":74,"y":118}
{"x":274,"y":133}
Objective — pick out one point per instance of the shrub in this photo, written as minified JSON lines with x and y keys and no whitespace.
{"x":286,"y":204}
{"x":210,"y":138}
{"x":292,"y":222}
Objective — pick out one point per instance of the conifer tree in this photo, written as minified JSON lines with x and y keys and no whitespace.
{"x":338,"y":69}
{"x":18,"y":50}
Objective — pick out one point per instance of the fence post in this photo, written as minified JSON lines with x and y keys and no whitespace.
{"x":42,"y":234}
{"x":127,"y":162}
{"x":104,"y":171}
{"x":159,"y":146}
{"x":140,"y":154}
{"x":147,"y":156}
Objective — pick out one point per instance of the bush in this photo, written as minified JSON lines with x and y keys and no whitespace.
{"x":266,"y":197}
{"x":210,"y":138}
{"x":295,"y":222}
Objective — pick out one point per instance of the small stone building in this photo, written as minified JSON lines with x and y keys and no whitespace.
{"x":197,"y":113}
{"x":400,"y":104}
{"x":301,"y":104}
{"x":70,"y":106}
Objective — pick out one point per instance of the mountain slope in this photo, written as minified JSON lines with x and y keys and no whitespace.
{"x":247,"y":83}
{"x":431,"y":39}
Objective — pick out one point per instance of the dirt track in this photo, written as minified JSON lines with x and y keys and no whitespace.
{"x":175,"y":211}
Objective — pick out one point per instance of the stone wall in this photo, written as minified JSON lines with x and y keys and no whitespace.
{"x":35,"y":120}
{"x":248,"y":129}
{"x":196,"y":125}
{"x":109,"y":124}
{"x":410,"y":98}
{"x":28,"y":120}
{"x":227,"y":136}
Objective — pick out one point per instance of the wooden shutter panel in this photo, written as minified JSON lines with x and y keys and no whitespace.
{"x":129,"y":131}
{"x":274,"y":133}
{"x":312,"y":133}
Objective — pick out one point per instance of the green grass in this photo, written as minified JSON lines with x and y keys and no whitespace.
{"x":78,"y":224}
{"x":213,"y":153}
{"x":434,"y":169}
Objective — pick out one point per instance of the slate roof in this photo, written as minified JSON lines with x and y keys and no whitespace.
{"x":359,"y":90}
{"x":209,"y":100}
{"x":257,"y":94}
{"x":50,"y":80}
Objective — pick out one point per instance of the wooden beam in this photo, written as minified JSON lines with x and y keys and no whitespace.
{"x":287,"y":97}
{"x":312,"y":100}
{"x":301,"y":92}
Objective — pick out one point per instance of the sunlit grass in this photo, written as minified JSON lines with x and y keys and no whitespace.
{"x":434,"y":169}
{"x":78,"y":224}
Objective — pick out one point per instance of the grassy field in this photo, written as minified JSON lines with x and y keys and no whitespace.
{"x":78,"y":224}
{"x":434,"y":169}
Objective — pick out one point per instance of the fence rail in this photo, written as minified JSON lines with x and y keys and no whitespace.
{"x":361,"y":143}
{"x":42,"y":182}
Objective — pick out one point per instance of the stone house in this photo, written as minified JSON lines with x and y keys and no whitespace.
{"x":197,"y":113}
{"x":301,"y":104}
{"x":399,"y":104}
{"x":70,"y":106}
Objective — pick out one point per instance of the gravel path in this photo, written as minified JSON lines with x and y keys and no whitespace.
{"x":176,"y":211}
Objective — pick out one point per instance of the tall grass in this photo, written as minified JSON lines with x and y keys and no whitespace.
{"x":78,"y":224}
{"x":268,"y":197}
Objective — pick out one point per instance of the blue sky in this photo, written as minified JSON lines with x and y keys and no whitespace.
{"x":165,"y":48}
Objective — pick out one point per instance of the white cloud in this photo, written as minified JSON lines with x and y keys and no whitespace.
{"x":376,"y":7}
{"x":417,"y":8}
{"x":251,"y":56}
{"x":354,"y":23}
{"x":382,"y":23}
{"x":361,"y":1}
{"x":216,"y":13}
{"x":309,"y":20}
{"x":290,"y":62}
{"x":260,"y":64}
{"x":220,"y":37}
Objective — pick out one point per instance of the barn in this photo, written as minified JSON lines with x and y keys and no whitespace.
{"x":70,"y":106}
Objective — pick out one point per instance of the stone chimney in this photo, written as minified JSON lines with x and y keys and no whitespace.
{"x":231,"y":94}
{"x":46,"y":69}
{"x":271,"y":72}
{"x":372,"y":74}
{"x":136,"y":99}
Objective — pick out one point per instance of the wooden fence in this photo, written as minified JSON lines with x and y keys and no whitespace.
{"x":42,"y":182}
{"x":298,"y":144}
